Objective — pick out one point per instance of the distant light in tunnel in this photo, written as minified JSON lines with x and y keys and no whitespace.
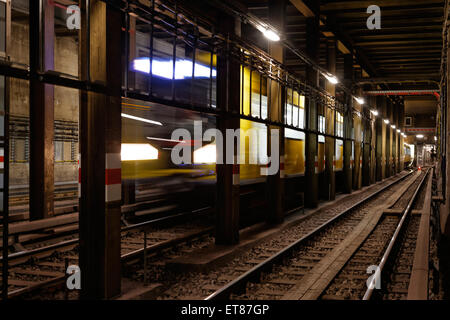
{"x":386,"y":121}
{"x":374,"y":112}
{"x":393,"y":126}
{"x":420,"y":136}
{"x":398,"y":130}
{"x":435,"y":138}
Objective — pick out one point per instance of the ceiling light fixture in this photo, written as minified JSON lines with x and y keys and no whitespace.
{"x":359,"y":100}
{"x":269,"y":33}
{"x":331,"y":78}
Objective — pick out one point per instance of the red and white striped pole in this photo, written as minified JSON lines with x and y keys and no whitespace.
{"x":113,"y":177}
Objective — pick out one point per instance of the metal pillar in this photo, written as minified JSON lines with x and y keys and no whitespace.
{"x":367,"y":139}
{"x":379,"y":151}
{"x":330,"y":144}
{"x":41,"y":110}
{"x":275,"y":183}
{"x":228,"y":100}
{"x":100,"y":145}
{"x":5,"y":170}
{"x":348,"y":124}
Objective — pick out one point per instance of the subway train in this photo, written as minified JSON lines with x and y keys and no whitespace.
{"x":408,"y":151}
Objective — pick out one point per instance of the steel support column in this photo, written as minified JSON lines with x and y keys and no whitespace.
{"x":275,"y":183}
{"x":228,"y":100}
{"x":388,"y":139}
{"x":41,"y":110}
{"x":330,"y":143}
{"x":312,"y":77}
{"x":348,"y":125}
{"x":379,"y":151}
{"x":100,"y":145}
{"x":367,"y":139}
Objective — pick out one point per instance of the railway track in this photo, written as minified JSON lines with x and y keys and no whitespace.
{"x":200,"y":285}
{"x":393,"y":238}
{"x":279,"y":270}
{"x":43,"y":267}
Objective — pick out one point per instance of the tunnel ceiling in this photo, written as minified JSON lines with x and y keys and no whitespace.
{"x":408,"y":45}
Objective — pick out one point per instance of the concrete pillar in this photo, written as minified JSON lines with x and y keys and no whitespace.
{"x":373,"y":139}
{"x":358,"y":131}
{"x":41,"y":110}
{"x":348,"y":125}
{"x":100,"y":145}
{"x":330,"y":115}
{"x":379,"y":150}
{"x":228,"y":100}
{"x":402,"y":128}
{"x":275,"y":183}
{"x":388,"y":139}
{"x":394,"y":165}
{"x":365,"y":170}
{"x":312,"y":77}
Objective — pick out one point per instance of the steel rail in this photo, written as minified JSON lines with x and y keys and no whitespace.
{"x":392,"y":242}
{"x":240,"y":282}
{"x":28,"y":253}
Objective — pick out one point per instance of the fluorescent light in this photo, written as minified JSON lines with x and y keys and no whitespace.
{"x":398,"y":130}
{"x":164,"y":68}
{"x":393,"y":126}
{"x":374,"y":112}
{"x":359,"y":100}
{"x":129,"y":116}
{"x":420,"y":136}
{"x":386,"y":121}
{"x":435,"y":138}
{"x":168,"y":140}
{"x":138,"y":151}
{"x":331,"y":78}
{"x":271,"y":35}
{"x":206,"y":154}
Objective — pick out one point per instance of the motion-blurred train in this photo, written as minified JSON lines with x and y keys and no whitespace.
{"x":408,"y":151}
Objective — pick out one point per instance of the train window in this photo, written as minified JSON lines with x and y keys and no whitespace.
{"x":139,"y":42}
{"x":205,"y":74}
{"x":295,"y":109}
{"x":321,"y":124}
{"x":339,"y":125}
{"x":185,"y":72}
{"x":253,"y":93}
{"x":339,"y":155}
{"x":256,"y":95}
